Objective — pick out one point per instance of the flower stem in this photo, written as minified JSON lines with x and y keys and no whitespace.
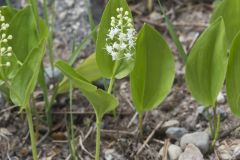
{"x":98,"y":135}
{"x":110,"y":87}
{"x":32,"y":134}
{"x":140,"y":125}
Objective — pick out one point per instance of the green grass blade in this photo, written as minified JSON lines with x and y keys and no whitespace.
{"x":91,"y":22}
{"x":173,"y":34}
{"x":81,"y":46}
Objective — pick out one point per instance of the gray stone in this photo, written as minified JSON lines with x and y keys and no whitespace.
{"x":111,"y":154}
{"x":236,"y":152}
{"x":51,"y":76}
{"x":174,"y":152}
{"x":171,"y":123}
{"x":202,"y":112}
{"x":199,"y":139}
{"x":220,"y":98}
{"x":191,"y":153}
{"x":191,"y":122}
{"x":175,"y":132}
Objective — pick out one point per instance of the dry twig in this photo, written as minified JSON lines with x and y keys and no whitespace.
{"x":149,"y":137}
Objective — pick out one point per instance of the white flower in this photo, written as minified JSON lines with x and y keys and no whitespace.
{"x":10,"y":37}
{"x":109,"y":49}
{"x":9,"y":49}
{"x":128,"y":56}
{"x":131,"y":43}
{"x":5,"y":50}
{"x":123,"y":46}
{"x":8,"y":64}
{"x":121,"y":37}
{"x":115,"y":45}
{"x":114,"y":56}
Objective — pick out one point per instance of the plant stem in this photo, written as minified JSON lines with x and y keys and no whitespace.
{"x":110,"y":87}
{"x":71,"y":121}
{"x":140,"y":128}
{"x":216,"y":125}
{"x":32,"y":134}
{"x":98,"y":135}
{"x":150,"y":5}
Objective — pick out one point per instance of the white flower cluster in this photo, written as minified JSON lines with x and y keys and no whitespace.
{"x":5,"y":49}
{"x":120,"y":42}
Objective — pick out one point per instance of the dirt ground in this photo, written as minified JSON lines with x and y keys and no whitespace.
{"x":119,"y":134}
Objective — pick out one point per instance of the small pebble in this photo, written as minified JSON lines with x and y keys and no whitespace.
{"x":175,"y":132}
{"x":51,"y":75}
{"x":171,"y":123}
{"x":190,"y":122}
{"x":174,"y":152}
{"x":199,"y":139}
{"x":220,"y":98}
{"x":69,"y":3}
{"x":191,"y":153}
{"x":202,"y":112}
{"x":236,"y":152}
{"x":111,"y":154}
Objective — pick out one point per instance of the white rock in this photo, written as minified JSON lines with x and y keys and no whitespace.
{"x":69,"y":2}
{"x":171,"y":123}
{"x":220,"y":98}
{"x":191,"y":153}
{"x":174,"y":152}
{"x":111,"y":154}
{"x":199,"y":139}
{"x":236,"y":152}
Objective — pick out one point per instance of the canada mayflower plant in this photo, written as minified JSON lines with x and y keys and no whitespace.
{"x":5,"y":49}
{"x":120,"y":42}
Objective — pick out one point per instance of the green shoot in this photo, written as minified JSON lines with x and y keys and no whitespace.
{"x":173,"y":34}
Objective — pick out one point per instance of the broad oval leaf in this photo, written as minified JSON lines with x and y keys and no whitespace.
{"x":153,"y":74}
{"x":74,"y":76}
{"x":102,"y":101}
{"x":233,"y":77}
{"x":207,"y":64}
{"x":23,"y":28}
{"x":104,"y":60}
{"x":87,"y":69}
{"x":230,"y":11}
{"x":23,"y":84}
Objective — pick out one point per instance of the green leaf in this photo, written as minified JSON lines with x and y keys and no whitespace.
{"x":102,"y":101}
{"x":207,"y":64}
{"x":23,"y":84}
{"x":230,"y":11}
{"x":87,"y":69}
{"x":233,"y":77}
{"x":25,"y":35}
{"x":153,"y":74}
{"x":75,"y":77}
{"x":104,"y":60}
